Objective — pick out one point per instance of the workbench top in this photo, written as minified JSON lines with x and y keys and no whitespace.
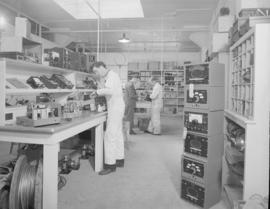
{"x":52,"y":129}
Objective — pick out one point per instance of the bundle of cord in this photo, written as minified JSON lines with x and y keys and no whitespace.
{"x":26,"y":190}
{"x":26,"y":185}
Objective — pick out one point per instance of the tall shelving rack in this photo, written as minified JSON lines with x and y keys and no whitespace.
{"x":248,"y":109}
{"x":173,"y":90}
{"x":172,"y":80}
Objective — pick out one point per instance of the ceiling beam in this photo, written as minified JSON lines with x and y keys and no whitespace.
{"x":187,"y":29}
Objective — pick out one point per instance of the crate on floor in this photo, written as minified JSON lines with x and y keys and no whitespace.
{"x":143,"y":123}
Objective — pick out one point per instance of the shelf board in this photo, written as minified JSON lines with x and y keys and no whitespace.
{"x":174,"y":98}
{"x":38,"y":91}
{"x":170,"y":104}
{"x":240,"y":120}
{"x":83,"y":90}
{"x":29,"y":66}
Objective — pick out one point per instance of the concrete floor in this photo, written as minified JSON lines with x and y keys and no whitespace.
{"x":150,"y":179}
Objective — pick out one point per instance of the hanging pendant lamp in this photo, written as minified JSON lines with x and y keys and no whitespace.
{"x":124,"y":39}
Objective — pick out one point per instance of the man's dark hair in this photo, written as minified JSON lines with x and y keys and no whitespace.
{"x":99,"y":64}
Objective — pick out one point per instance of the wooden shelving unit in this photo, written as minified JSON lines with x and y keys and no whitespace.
{"x":249,"y":108}
{"x":22,"y":70}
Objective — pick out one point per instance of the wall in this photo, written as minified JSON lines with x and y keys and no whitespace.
{"x":124,"y":58}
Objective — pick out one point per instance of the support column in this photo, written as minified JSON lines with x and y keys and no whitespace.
{"x":99,"y":138}
{"x":50,"y":176}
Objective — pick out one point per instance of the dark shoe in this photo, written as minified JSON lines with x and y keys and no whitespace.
{"x":120,"y":163}
{"x":146,"y":131}
{"x":132,"y":132}
{"x":106,"y":171}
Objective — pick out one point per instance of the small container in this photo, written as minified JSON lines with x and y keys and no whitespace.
{"x":84,"y":152}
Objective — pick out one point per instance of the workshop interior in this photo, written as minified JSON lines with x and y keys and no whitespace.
{"x":195,"y":131}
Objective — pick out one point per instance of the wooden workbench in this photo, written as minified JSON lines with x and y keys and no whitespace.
{"x":50,"y":137}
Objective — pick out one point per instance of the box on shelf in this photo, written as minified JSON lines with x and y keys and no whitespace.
{"x":12,"y":55}
{"x":220,"y":42}
{"x":154,"y":65}
{"x":133,"y":66}
{"x":78,"y":61}
{"x":251,"y":12}
{"x":169,"y":65}
{"x":58,"y":57}
{"x":225,"y":23}
{"x":142,"y":66}
{"x":243,"y":24}
{"x":170,"y":110}
{"x":13,"y":112}
{"x":29,"y":50}
{"x":22,"y":27}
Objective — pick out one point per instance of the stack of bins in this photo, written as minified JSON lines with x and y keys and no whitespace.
{"x":203,"y":146}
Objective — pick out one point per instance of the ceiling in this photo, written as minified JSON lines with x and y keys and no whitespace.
{"x":166,"y":25}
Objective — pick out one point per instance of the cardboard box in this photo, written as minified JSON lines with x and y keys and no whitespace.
{"x":220,"y":42}
{"x":22,"y":27}
{"x":225,"y":23}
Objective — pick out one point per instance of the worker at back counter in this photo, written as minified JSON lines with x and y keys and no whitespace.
{"x":131,"y":98}
{"x":113,"y":140}
{"x":156,"y":95}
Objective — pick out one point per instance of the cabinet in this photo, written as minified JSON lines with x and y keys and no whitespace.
{"x":20,"y":71}
{"x":248,"y":110}
{"x":26,"y":49}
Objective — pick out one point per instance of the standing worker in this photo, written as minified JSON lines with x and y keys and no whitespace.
{"x":113,"y":140}
{"x":131,"y":98}
{"x":154,"y":126}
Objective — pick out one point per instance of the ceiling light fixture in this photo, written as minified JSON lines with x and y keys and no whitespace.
{"x":2,"y":23}
{"x":124,"y":40}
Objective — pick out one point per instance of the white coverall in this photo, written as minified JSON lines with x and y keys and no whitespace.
{"x":157,"y":103}
{"x":113,"y":140}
